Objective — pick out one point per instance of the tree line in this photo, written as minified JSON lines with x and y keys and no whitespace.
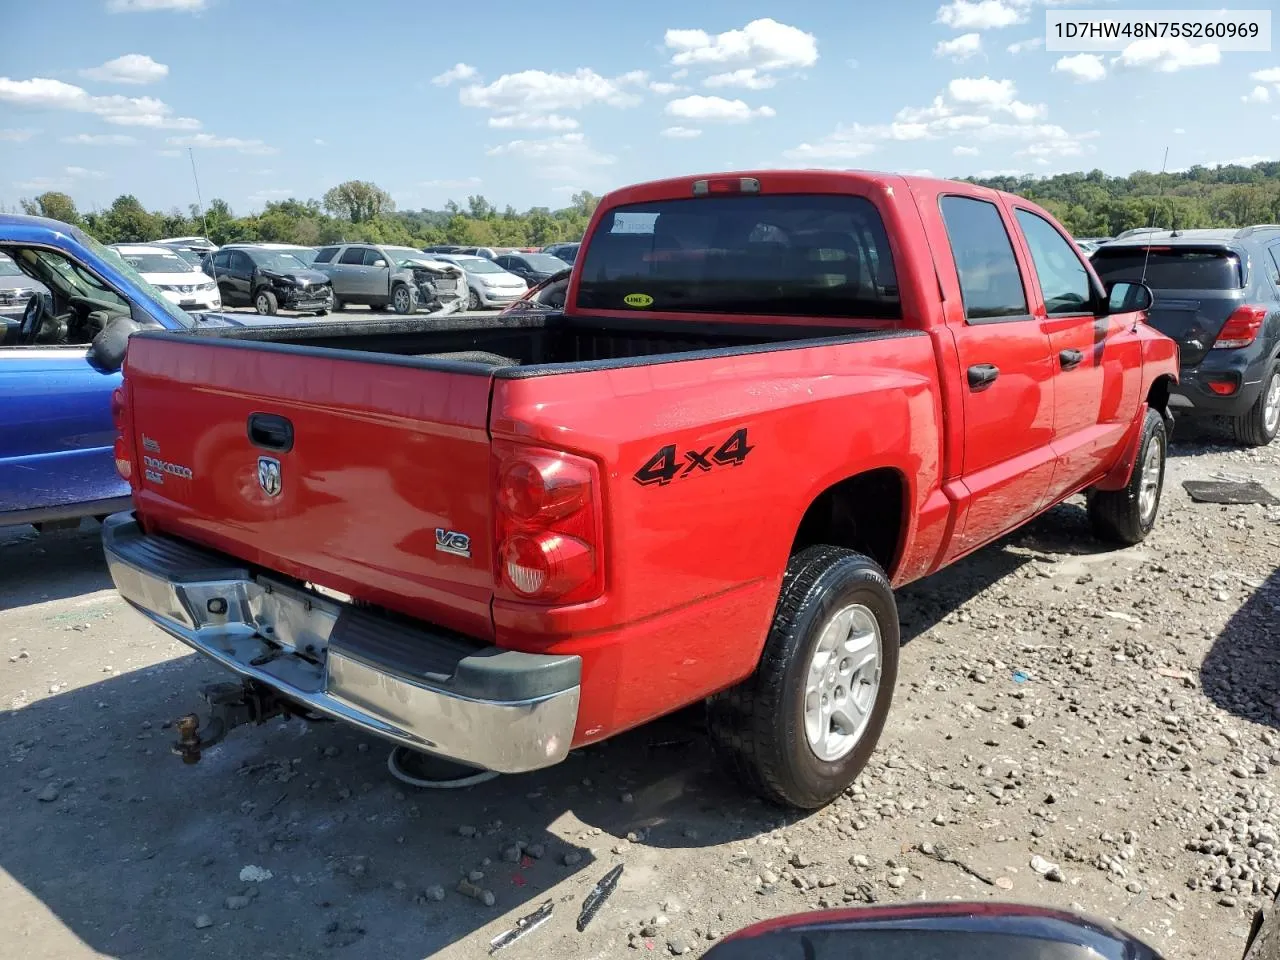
{"x":1087,"y":204}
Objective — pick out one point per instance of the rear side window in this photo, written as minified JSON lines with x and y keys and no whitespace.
{"x":1274,"y":266}
{"x":325,"y":254}
{"x":353,"y":255}
{"x":990,"y":282}
{"x":820,"y":255}
{"x":1170,"y":268}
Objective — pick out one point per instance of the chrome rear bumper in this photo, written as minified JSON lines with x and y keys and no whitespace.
{"x":482,"y":706}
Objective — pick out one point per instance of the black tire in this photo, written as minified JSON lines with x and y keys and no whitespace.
{"x":1255,"y":428}
{"x":473,"y":301}
{"x":322,"y":313}
{"x":758,"y":726}
{"x":401,"y":299}
{"x":1118,"y":516}
{"x":265,"y":302}
{"x":335,"y":305}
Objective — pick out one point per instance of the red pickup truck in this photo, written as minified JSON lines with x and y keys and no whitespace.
{"x":769,"y":399}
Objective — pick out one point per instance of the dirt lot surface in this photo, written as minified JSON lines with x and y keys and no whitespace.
{"x":1091,"y":729}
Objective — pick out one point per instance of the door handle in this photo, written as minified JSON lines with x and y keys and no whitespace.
{"x":982,"y":375}
{"x":1070,"y":359}
{"x":271,"y":432}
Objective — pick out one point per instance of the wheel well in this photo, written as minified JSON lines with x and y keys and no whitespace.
{"x":863,"y":513}
{"x":1158,"y":395}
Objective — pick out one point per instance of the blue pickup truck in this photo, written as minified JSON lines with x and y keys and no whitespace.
{"x":60,"y":358}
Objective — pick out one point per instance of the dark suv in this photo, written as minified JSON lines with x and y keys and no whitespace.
{"x":1217,"y":292}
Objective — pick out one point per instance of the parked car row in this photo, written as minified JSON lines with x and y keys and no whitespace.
{"x":1217,"y":293}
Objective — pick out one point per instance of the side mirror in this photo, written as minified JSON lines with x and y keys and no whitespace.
{"x":106,"y":352}
{"x":1124,"y":296}
{"x":379,"y":263}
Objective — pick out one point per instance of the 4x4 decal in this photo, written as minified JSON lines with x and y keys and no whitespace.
{"x":668,"y":464}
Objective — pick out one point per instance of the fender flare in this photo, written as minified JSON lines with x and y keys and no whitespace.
{"x":1117,"y":477}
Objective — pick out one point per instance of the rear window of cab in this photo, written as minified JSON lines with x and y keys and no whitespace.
{"x":820,"y":255}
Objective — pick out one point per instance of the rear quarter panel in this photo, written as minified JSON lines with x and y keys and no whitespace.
{"x":694,"y":566}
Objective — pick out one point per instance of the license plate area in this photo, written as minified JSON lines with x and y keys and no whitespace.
{"x":294,"y":619}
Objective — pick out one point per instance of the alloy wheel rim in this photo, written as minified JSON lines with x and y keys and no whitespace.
{"x":1271,"y":405}
{"x":842,"y":681}
{"x":1149,"y":488}
{"x":402,"y":300}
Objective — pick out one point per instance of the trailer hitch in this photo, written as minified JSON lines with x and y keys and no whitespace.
{"x":230,"y":705}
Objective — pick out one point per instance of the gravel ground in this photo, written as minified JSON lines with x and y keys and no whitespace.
{"x":1097,"y":730}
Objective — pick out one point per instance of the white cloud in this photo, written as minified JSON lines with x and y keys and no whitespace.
{"x":1022,"y":46}
{"x":982,"y":15}
{"x":40,"y":92}
{"x":43,"y":183}
{"x":169,"y":153}
{"x":681,"y":133}
{"x":83,"y":173}
{"x":271,"y":193}
{"x":1168,"y":55}
{"x":101,"y":139}
{"x":12,"y":135}
{"x":459,"y":71}
{"x":566,"y":157}
{"x":991,"y":174}
{"x":452,"y":184}
{"x":846,"y":143}
{"x":1084,"y":67}
{"x":664,"y":89}
{"x":981,"y":90}
{"x":1258,"y":94}
{"x":1270,"y":75}
{"x":996,"y":94}
{"x":1179,"y":130}
{"x":318,"y":142}
{"x":961,"y":48}
{"x":1248,"y":161}
{"x":963,"y":151}
{"x":155,"y":121}
{"x":747,"y":77}
{"x":532,"y":121}
{"x":719,"y":109}
{"x":147,"y":6}
{"x":530,"y":99}
{"x":223,"y":143}
{"x":764,"y":44}
{"x":136,"y":68}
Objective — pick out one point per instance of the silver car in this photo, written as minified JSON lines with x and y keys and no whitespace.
{"x":489,"y":284}
{"x":16,"y":288}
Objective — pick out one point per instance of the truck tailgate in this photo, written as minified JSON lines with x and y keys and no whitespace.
{"x":365,"y":476}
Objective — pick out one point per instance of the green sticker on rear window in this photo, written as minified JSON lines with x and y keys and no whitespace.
{"x":637,"y":300}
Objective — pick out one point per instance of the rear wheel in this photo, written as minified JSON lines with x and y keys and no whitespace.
{"x":401,"y":299}
{"x":800,"y":729}
{"x":265,"y":303}
{"x":1259,"y":426}
{"x":1126,"y":516}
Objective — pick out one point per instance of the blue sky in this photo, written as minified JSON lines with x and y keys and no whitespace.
{"x":529,"y":102}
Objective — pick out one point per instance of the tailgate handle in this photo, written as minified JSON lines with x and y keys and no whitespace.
{"x":271,"y":432}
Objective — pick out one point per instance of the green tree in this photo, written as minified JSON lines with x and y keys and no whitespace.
{"x":358,"y":201}
{"x":54,"y":205}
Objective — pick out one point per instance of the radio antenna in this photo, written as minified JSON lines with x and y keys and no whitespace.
{"x":1146,"y":258}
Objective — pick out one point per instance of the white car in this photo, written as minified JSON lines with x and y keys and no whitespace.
{"x":491,"y":286}
{"x":189,"y":287}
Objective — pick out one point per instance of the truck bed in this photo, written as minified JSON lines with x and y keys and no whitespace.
{"x":536,"y":344}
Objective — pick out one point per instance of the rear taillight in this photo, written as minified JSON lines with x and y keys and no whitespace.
{"x":548,"y":529}
{"x":120,"y":417}
{"x":1241,"y":328}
